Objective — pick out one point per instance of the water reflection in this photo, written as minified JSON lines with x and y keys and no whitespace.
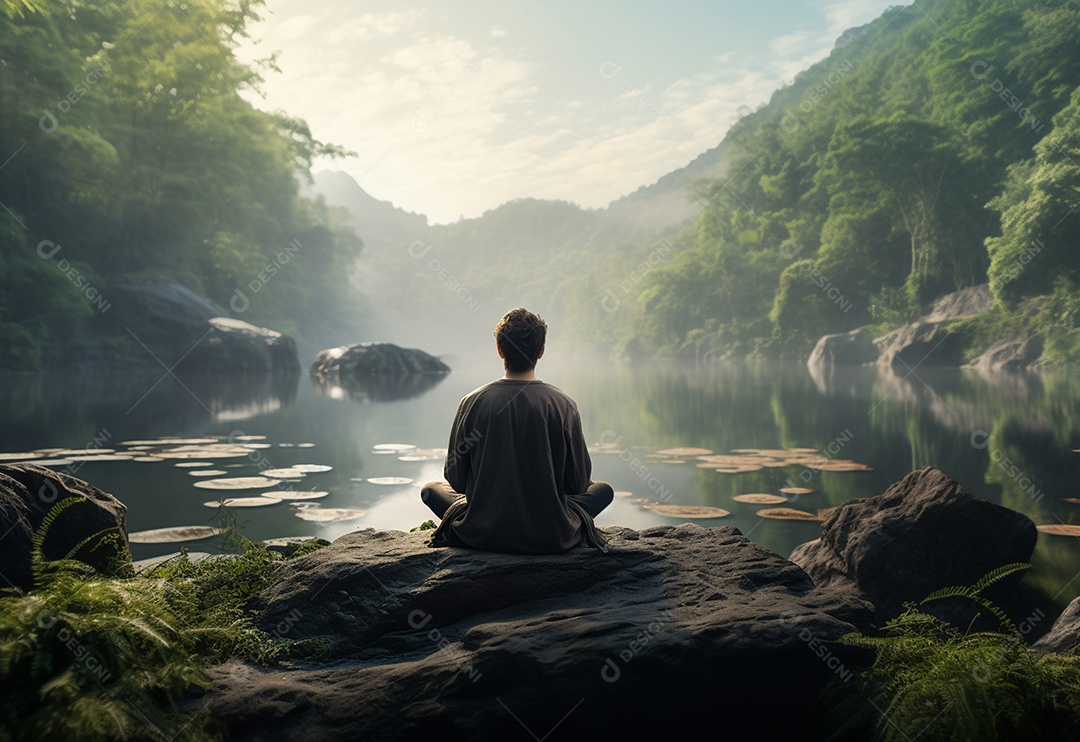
{"x":377,"y":387}
{"x":1006,"y":438}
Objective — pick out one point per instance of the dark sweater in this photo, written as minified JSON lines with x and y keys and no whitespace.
{"x":516,"y":451}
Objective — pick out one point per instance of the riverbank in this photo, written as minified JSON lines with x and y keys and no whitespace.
{"x":380,"y":635}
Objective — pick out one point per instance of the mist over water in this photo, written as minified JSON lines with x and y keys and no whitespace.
{"x":1007,"y":442}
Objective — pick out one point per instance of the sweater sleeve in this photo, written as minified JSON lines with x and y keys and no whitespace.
{"x":458,"y":453}
{"x":578,"y":473}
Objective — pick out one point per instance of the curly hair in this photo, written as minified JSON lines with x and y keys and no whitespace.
{"x":520,"y":335}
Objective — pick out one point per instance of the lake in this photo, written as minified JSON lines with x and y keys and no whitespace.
{"x":1006,"y":438}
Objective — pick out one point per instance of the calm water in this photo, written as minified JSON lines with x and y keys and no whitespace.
{"x":1007,"y":439}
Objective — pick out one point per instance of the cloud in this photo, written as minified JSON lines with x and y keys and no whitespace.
{"x":455,"y":122}
{"x":372,"y":26}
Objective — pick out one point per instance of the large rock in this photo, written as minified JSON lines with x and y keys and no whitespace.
{"x":376,"y":371}
{"x":919,"y":344}
{"x":237,"y":346}
{"x":1011,"y":355}
{"x":454,"y":643}
{"x":924,"y":533}
{"x":161,"y":305}
{"x":181,"y":328}
{"x":1065,"y":632}
{"x":969,"y":302}
{"x":853,"y":348}
{"x":27,"y":493}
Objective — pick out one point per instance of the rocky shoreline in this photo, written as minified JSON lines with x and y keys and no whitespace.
{"x":933,"y":340}
{"x":680,"y":622}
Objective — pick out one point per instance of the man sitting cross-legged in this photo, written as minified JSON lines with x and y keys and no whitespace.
{"x":517,"y":469}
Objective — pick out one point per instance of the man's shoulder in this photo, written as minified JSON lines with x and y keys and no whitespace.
{"x":528,"y":390}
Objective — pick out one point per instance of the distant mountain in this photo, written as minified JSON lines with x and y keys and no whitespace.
{"x":671,"y":198}
{"x":538,"y":253}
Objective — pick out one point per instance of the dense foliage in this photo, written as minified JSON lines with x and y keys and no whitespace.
{"x":935,"y":148}
{"x":85,"y":657}
{"x":129,"y":152}
{"x":931,"y":680}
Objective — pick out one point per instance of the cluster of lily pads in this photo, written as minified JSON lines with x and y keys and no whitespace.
{"x":741,"y":461}
{"x":202,"y":456}
{"x":199,"y":455}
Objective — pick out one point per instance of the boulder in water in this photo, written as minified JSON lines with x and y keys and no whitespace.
{"x":376,"y":371}
{"x":923,"y":533}
{"x":180,"y":327}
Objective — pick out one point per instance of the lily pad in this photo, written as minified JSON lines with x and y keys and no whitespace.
{"x":237,"y":483}
{"x":689,"y":511}
{"x":390,"y":480}
{"x":623,"y":493}
{"x":787,"y":514}
{"x":84,"y":451}
{"x":289,"y":473}
{"x":146,"y":459}
{"x":328,"y":515}
{"x":760,"y":499}
{"x":19,"y":456}
{"x":217,"y":451}
{"x":242,"y":502}
{"x":207,"y":472}
{"x":171,"y":442}
{"x":295,"y":494}
{"x":311,"y":468}
{"x":1059,"y":529}
{"x":174,"y":534}
{"x":192,"y":464}
{"x":393,"y":447}
{"x":684,"y":452}
{"x":796,"y":490}
{"x":1072,"y":500}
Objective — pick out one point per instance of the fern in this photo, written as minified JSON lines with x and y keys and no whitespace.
{"x":85,"y":657}
{"x":932,"y":681}
{"x":973,"y":592}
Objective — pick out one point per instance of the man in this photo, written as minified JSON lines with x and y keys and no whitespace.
{"x":517,"y":469}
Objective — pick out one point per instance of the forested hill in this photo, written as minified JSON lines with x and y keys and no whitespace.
{"x":129,"y":154}
{"x":575,"y":266}
{"x":935,"y":148}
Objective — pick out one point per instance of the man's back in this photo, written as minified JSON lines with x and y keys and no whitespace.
{"x":517,"y":451}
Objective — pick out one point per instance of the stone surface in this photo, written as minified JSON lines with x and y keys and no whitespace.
{"x":1065,"y":632}
{"x":237,"y":346}
{"x":27,"y":493}
{"x":180,"y":327}
{"x":1012,"y":355}
{"x":376,"y":371}
{"x":923,"y":533}
{"x":853,"y":348}
{"x":969,"y":302}
{"x":920,"y":344}
{"x":671,"y":625}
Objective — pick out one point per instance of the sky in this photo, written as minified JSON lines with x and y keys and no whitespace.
{"x":454,"y":109}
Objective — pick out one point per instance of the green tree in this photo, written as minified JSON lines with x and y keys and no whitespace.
{"x":1040,"y":215}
